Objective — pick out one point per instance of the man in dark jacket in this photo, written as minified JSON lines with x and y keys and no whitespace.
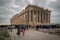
{"x":22,"y":29}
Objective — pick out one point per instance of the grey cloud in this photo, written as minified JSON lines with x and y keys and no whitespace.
{"x":5,"y":2}
{"x":21,"y":3}
{"x":5,"y":16}
{"x":55,"y":5}
{"x":40,"y":2}
{"x":2,"y":19}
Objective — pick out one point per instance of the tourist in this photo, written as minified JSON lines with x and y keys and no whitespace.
{"x":22,"y":29}
{"x":10,"y":28}
{"x":18,"y":30}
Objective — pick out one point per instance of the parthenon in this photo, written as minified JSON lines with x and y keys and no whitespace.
{"x":32,"y":15}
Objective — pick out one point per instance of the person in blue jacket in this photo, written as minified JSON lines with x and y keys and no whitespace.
{"x":22,"y":29}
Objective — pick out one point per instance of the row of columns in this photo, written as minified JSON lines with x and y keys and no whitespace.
{"x":35,"y":16}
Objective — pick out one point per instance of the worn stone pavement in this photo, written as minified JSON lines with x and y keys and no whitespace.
{"x":33,"y":35}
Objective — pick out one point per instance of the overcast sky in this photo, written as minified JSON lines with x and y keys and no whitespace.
{"x":9,"y":8}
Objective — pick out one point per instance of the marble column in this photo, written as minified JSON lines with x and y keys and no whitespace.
{"x":33,"y":16}
{"x":37,"y":16}
{"x":40,"y":17}
{"x":48,"y":18}
{"x":26,"y":16}
{"x":45,"y":17}
{"x":29,"y":16}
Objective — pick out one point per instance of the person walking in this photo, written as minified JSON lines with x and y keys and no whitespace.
{"x":18,"y":29}
{"x":22,"y":29}
{"x":10,"y":28}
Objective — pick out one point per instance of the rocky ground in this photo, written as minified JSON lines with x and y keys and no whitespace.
{"x":4,"y":34}
{"x":32,"y":34}
{"x":51,"y":31}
